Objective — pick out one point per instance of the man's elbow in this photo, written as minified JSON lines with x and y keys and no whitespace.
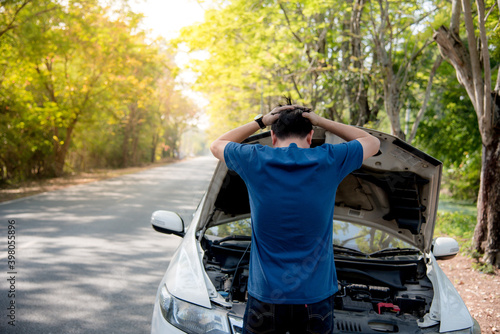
{"x":371,"y":146}
{"x":217,"y":149}
{"x":212,"y":148}
{"x":375,"y":146}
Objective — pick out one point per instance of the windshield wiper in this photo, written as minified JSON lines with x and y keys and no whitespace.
{"x":347,"y":250}
{"x":233,"y":238}
{"x":394,"y":251}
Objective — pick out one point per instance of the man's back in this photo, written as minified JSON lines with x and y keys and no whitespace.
{"x":292,"y":197}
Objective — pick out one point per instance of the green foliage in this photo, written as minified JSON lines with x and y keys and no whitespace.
{"x":450,"y":134}
{"x":462,"y":179}
{"x":325,"y":54}
{"x":455,"y":224}
{"x":253,"y":56}
{"x":484,"y":268}
{"x":494,"y":37}
{"x":82,"y":86}
{"x":458,"y":225}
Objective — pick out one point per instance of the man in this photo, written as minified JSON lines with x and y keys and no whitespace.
{"x":292,"y":196}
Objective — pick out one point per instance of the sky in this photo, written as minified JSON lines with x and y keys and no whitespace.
{"x":167,"y":17}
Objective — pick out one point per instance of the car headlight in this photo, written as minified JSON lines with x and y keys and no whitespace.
{"x":475,"y":329}
{"x":192,"y":318}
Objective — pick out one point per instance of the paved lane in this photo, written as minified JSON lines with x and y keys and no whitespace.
{"x":87,"y":259}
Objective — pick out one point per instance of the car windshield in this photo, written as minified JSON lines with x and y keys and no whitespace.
{"x":348,"y":238}
{"x":368,"y":240}
{"x":232,"y":228}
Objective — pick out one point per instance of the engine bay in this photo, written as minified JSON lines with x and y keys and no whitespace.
{"x":375,"y":295}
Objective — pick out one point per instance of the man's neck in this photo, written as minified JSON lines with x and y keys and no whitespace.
{"x":300,"y":142}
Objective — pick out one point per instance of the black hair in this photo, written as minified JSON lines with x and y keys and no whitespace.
{"x":291,"y":123}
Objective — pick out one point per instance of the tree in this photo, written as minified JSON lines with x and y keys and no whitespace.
{"x":347,"y":60}
{"x":24,"y":147}
{"x":354,"y":67}
{"x":140,"y":78}
{"x":399,"y":48}
{"x":474,"y":71}
{"x":82,"y":86}
{"x":259,"y":52}
{"x":78,"y":85}
{"x":83,"y":58}
{"x":450,"y":134}
{"x":179,"y":114}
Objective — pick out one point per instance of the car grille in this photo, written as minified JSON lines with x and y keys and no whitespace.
{"x":347,"y":326}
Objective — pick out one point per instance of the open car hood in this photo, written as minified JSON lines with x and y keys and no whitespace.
{"x":396,"y":190}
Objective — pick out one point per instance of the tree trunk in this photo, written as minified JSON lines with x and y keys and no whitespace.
{"x":347,"y":82}
{"x":487,"y":232}
{"x":473,"y":72}
{"x":125,"y":142}
{"x":59,"y":160}
{"x":392,"y":84}
{"x":128,"y":135}
{"x":356,"y":51}
{"x":154,"y":145}
{"x":422,"y":110}
{"x":61,"y":151}
{"x":391,"y":94}
{"x":135,"y":144}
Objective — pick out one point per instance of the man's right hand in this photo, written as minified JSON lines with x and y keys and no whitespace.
{"x":312,"y":117}
{"x":370,"y":143}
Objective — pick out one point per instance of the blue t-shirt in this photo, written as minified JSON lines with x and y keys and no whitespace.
{"x":292,"y":197}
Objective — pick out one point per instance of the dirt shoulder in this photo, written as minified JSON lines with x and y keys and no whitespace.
{"x":34,"y":187}
{"x":480,"y":292}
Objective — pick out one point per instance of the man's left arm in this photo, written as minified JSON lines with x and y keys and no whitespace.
{"x":369,"y":143}
{"x":243,"y":132}
{"x":236,"y":135}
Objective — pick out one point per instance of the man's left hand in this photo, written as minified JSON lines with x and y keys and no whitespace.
{"x":270,"y":118}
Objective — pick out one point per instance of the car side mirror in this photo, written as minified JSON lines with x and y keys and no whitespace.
{"x":167,"y":222}
{"x":444,"y":248}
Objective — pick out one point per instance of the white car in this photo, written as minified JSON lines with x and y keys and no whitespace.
{"x":388,"y":277}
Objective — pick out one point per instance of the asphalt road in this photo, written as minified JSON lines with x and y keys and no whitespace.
{"x":86,"y":257}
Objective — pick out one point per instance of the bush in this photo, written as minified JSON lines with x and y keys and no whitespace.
{"x":460,"y":226}
{"x":457,"y":225}
{"x":462,"y":179}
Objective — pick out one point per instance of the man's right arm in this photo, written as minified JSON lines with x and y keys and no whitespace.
{"x":370,"y":143}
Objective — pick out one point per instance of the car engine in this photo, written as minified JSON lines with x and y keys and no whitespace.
{"x":375,"y":295}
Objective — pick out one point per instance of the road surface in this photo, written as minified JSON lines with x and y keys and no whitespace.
{"x":86,"y":257}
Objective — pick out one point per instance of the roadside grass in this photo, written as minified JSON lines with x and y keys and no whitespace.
{"x":458,"y":220}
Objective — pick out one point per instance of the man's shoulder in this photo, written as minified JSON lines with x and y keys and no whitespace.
{"x":234,"y":145}
{"x":351,"y":150}
{"x":242,"y":150}
{"x":341,"y":146}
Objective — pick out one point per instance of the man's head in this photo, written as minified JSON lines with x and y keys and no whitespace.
{"x":290,"y":123}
